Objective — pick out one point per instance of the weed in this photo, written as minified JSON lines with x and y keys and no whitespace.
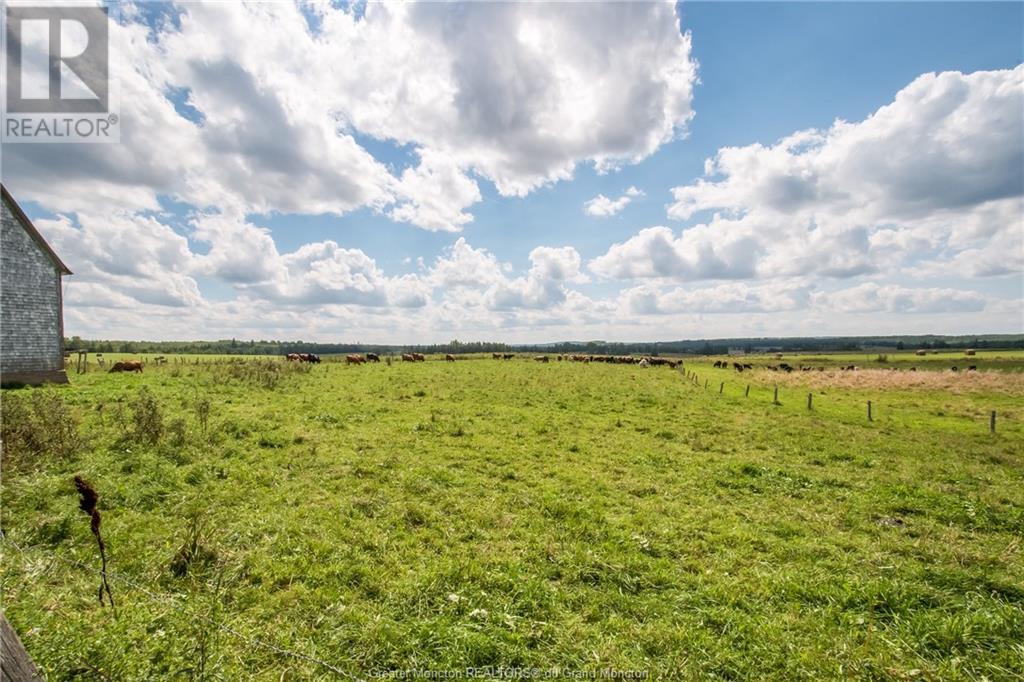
{"x":147,"y":418}
{"x":176,"y":430}
{"x":202,"y":407}
{"x":36,"y":426}
{"x":88,"y":497}
{"x":196,"y":553}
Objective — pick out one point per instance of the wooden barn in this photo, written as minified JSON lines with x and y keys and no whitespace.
{"x":31,"y":302}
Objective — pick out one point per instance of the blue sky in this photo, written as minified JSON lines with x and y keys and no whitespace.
{"x":264,"y":196}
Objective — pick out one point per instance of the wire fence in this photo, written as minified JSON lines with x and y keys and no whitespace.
{"x":844,"y":406}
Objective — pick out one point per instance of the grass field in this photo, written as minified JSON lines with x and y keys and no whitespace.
{"x":439,"y":516}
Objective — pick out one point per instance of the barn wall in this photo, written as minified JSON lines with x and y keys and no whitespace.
{"x":30,"y":303}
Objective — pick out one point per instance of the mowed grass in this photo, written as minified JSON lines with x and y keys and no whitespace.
{"x":582,"y":516}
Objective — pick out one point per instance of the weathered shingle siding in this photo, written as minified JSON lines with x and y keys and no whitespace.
{"x":30,"y":302}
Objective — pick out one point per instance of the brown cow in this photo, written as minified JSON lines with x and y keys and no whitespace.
{"x":541,"y":358}
{"x":407,"y":357}
{"x":293,"y":357}
{"x":496,"y":356}
{"x":418,"y":357}
{"x":127,"y":366}
{"x":354,"y":359}
{"x":449,"y":358}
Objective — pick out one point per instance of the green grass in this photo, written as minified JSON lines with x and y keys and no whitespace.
{"x":583,"y":516}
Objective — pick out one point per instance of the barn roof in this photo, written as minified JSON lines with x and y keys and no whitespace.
{"x":32,"y":231}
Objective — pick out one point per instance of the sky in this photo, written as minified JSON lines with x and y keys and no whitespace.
{"x":422,"y":172}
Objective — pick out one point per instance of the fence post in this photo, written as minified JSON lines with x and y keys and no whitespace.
{"x":775,"y":400}
{"x":992,"y":422}
{"x":810,"y":396}
{"x":869,"y":410}
{"x":15,"y":661}
{"x":721,"y":387}
{"x":746,"y":394}
{"x":705,"y":383}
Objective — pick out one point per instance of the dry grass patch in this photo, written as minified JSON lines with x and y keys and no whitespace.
{"x":899,"y":380}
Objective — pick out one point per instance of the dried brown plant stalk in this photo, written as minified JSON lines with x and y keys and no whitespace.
{"x":87,"y":503}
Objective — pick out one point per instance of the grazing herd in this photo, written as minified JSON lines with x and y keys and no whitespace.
{"x":623,"y":360}
{"x":356,"y":359}
{"x":303,"y":357}
{"x":647,"y":361}
{"x":739,"y":367}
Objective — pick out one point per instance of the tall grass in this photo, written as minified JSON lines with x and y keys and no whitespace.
{"x":264,"y":372}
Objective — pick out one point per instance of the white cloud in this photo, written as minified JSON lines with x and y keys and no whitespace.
{"x":519,"y":94}
{"x":872,"y":298}
{"x":327,"y":274}
{"x":129,"y":255}
{"x":697,"y":253}
{"x":434,"y":194}
{"x":453,"y":98}
{"x":476,"y":278}
{"x":240,"y":252}
{"x":602,"y":206}
{"x":934,"y":175}
{"x":733,"y":298}
{"x":792,"y":296}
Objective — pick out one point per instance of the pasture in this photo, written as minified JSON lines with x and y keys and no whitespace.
{"x":587,"y":517}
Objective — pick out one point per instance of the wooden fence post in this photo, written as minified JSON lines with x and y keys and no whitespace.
{"x":15,"y":663}
{"x":746,"y":394}
{"x":810,"y":396}
{"x":869,"y":411}
{"x":705,"y":383}
{"x":721,"y":387}
{"x":992,"y":422}
{"x":775,"y":400}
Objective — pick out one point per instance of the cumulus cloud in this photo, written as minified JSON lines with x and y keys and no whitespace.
{"x":931,"y":181}
{"x":127,"y":254}
{"x":871,"y":297}
{"x":245,"y":108}
{"x":732,"y":298}
{"x":602,"y":206}
{"x":327,"y":274}
{"x":790,"y":296}
{"x":695,"y":254}
{"x":434,"y":194}
{"x":478,"y":279}
{"x":414,"y":111}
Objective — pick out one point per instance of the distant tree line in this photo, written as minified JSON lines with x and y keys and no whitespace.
{"x":691,"y":347}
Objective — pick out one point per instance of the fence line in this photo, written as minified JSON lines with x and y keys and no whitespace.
{"x":810,"y":399}
{"x":163,"y":599}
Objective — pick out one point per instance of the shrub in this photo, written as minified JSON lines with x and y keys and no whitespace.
{"x":148,"y":420}
{"x":36,"y":425}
